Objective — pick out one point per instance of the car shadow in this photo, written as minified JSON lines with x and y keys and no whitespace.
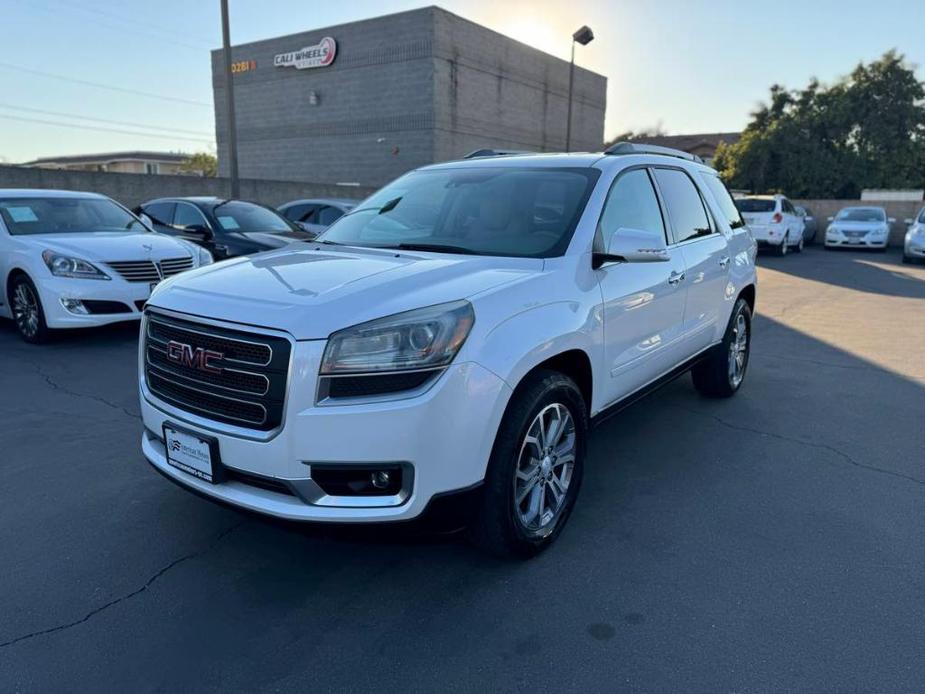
{"x":866,"y":271}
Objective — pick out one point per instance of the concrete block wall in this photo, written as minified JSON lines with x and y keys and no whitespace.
{"x":901,"y":210}
{"x":494,"y":91}
{"x":134,"y":189}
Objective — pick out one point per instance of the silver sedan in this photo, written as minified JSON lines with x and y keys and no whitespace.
{"x":914,"y":246}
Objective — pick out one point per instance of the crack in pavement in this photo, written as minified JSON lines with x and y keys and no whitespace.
{"x":54,"y":385}
{"x":790,"y":439}
{"x":128,"y":596}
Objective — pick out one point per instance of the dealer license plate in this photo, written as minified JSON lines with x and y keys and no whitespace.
{"x":189,"y":452}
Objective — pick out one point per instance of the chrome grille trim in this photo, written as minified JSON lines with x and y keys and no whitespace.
{"x":148,"y":270}
{"x":255,"y":399}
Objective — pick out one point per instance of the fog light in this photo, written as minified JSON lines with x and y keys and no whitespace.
{"x":75,"y":306}
{"x":380,"y":479}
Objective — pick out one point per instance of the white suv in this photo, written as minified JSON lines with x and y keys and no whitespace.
{"x":773,"y":221}
{"x":450,"y":339}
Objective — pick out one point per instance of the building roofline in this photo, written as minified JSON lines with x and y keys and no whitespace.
{"x":108,"y":157}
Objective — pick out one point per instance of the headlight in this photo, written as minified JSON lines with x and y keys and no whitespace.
{"x":425,"y":338}
{"x":65,"y":266}
{"x":204,"y":257}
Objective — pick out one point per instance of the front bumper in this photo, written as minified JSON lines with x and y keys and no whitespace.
{"x":444,"y":435}
{"x":915,"y":247}
{"x":833,"y":240}
{"x":131,"y":295}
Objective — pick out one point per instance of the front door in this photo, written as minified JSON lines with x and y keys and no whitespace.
{"x":643,"y":303}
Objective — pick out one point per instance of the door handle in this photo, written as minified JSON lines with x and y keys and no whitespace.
{"x":724,"y":261}
{"x":674,"y":279}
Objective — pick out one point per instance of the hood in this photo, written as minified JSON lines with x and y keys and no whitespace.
{"x":314,"y":291}
{"x":277,"y":239}
{"x":107,"y":246}
{"x":858,"y":226}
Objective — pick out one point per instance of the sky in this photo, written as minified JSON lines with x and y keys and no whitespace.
{"x":682,"y":65}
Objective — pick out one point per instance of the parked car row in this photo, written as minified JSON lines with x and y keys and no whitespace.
{"x":70,"y":260}
{"x":782,"y":227}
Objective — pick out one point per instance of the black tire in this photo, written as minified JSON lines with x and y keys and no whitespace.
{"x":799,"y":247}
{"x":496,"y":525}
{"x":34,"y":332}
{"x":712,"y":376}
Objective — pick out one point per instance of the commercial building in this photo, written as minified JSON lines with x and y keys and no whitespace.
{"x":364,"y":102}
{"x":116,"y":162}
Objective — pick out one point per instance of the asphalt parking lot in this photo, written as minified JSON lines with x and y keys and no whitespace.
{"x":770,"y":542}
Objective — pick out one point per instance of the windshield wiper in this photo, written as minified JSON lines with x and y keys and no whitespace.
{"x":435,"y":247}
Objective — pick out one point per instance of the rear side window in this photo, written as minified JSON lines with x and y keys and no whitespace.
{"x":160,"y":212}
{"x":685,"y":206}
{"x":724,"y":200}
{"x":631,"y":204}
{"x":300,"y":213}
{"x":188,"y":216}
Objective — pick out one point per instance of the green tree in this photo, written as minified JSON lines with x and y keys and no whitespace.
{"x":201,"y":163}
{"x":865,"y":131}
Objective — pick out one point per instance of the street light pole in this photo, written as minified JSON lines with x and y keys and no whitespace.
{"x":584,"y":36}
{"x":229,"y":105}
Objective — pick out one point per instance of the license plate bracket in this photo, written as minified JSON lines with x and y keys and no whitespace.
{"x":193,"y":453}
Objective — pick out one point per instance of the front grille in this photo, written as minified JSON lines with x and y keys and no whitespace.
{"x":855,"y":234}
{"x":246,"y":386}
{"x":148,"y":271}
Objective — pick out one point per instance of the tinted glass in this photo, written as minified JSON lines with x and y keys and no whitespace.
{"x":300,"y":213}
{"x":329,"y":215}
{"x":755,"y":205}
{"x":247,"y":217}
{"x":631,"y":204}
{"x":862,"y":214}
{"x":485,"y":211}
{"x":187,"y":216}
{"x":787,"y":207}
{"x":685,"y":208}
{"x":52,"y":215}
{"x":724,"y":200}
{"x":159,"y":212}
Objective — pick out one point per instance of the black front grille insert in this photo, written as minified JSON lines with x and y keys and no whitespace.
{"x":242,"y":381}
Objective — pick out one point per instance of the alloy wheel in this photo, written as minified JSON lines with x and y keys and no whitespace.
{"x":26,"y":310}
{"x":544,"y":469}
{"x":738,"y":351}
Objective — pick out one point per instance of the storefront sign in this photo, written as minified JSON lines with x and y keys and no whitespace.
{"x":321,"y":55}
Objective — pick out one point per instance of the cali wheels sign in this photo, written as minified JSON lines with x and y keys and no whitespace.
{"x":320,"y":55}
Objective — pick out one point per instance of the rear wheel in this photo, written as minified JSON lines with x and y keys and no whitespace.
{"x":721,"y":374}
{"x":799,"y":247}
{"x":784,"y":247}
{"x":535,"y":470}
{"x":27,"y":310}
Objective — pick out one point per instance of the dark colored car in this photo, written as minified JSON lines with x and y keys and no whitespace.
{"x":227,"y":228}
{"x":810,"y":226}
{"x":318,"y":214}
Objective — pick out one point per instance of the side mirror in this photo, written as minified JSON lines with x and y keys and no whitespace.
{"x":891,"y":220}
{"x":909,"y":221}
{"x":831,"y":219}
{"x":809,"y":218}
{"x":146,"y":220}
{"x":633,"y":246}
{"x":199,"y":230}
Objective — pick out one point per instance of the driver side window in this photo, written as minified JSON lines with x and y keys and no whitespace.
{"x":631,"y":204}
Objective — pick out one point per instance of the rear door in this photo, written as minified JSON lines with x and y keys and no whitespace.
{"x":643,"y":302}
{"x":706,"y":256}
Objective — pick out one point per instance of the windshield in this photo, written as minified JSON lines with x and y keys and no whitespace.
{"x":247,"y":217}
{"x":755,"y":205}
{"x":482,"y":211}
{"x":59,"y":215}
{"x":861,"y":214}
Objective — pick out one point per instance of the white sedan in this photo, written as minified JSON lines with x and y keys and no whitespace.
{"x":914,"y":243}
{"x":75,"y":260}
{"x":859,"y":227}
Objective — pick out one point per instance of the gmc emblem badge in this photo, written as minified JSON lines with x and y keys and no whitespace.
{"x":199,"y":358}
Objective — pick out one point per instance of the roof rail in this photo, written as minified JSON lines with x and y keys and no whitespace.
{"x":495,"y":153}
{"x":641,"y":148}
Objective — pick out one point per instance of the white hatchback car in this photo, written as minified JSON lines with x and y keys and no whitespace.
{"x":774,"y":222}
{"x":451,"y":338}
{"x":74,"y":260}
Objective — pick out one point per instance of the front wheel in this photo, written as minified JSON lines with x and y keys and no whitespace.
{"x":721,"y":374}
{"x":535,"y":469}
{"x":27,"y":311}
